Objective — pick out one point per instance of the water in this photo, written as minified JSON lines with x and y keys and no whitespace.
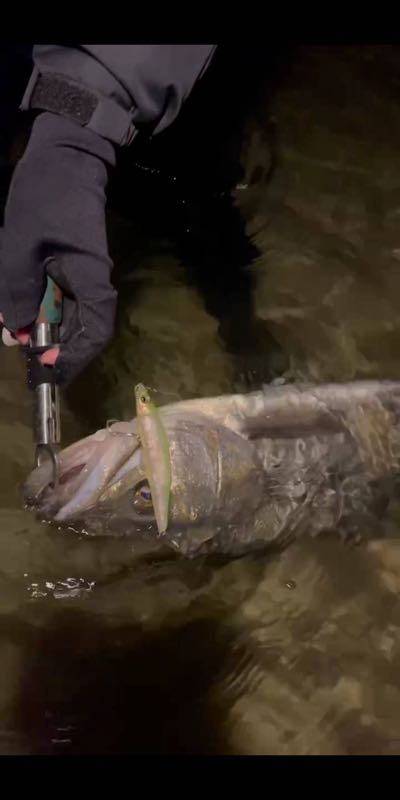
{"x":297,"y":653}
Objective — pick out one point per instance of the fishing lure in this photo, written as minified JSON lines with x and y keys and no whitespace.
{"x":156,"y":455}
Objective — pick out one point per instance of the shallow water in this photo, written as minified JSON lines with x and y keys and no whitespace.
{"x":297,"y":653}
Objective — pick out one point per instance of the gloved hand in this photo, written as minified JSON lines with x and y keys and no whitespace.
{"x":55,"y":224}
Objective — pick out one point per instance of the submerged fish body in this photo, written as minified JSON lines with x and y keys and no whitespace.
{"x":246,"y":471}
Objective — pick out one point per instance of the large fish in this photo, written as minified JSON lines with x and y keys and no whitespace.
{"x":247,"y":471}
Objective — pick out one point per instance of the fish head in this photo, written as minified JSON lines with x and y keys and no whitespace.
{"x":103,"y":489}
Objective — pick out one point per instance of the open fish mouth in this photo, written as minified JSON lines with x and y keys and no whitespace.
{"x":92,"y":472}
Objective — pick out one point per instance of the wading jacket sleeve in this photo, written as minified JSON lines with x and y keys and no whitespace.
{"x":91,"y":99}
{"x":116,"y":89}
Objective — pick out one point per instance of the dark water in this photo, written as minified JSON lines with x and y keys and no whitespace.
{"x":292,"y":654}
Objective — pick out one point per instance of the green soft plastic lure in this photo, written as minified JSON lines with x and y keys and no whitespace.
{"x":156,"y":456}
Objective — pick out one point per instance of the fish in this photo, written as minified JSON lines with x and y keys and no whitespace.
{"x":155,"y":453}
{"x":247,"y":471}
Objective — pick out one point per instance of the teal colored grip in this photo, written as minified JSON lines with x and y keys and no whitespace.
{"x":51,"y":308}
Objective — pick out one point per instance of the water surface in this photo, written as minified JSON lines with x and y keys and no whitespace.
{"x":297,"y":653}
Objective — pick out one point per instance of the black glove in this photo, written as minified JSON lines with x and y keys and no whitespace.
{"x":55,"y":225}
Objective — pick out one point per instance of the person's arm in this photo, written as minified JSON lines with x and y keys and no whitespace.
{"x":91,"y":99}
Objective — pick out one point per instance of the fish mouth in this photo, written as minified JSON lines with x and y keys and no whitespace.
{"x":91,"y":472}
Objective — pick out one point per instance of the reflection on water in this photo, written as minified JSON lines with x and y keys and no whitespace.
{"x":292,"y":653}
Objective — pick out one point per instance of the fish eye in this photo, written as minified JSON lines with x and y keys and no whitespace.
{"x":143,"y":399}
{"x":145,"y":494}
{"x":142,"y":499}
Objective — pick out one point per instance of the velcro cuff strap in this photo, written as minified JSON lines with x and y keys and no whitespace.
{"x":52,"y":92}
{"x":38,"y":373}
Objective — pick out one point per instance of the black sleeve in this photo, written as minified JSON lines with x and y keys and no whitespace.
{"x":116,"y":89}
